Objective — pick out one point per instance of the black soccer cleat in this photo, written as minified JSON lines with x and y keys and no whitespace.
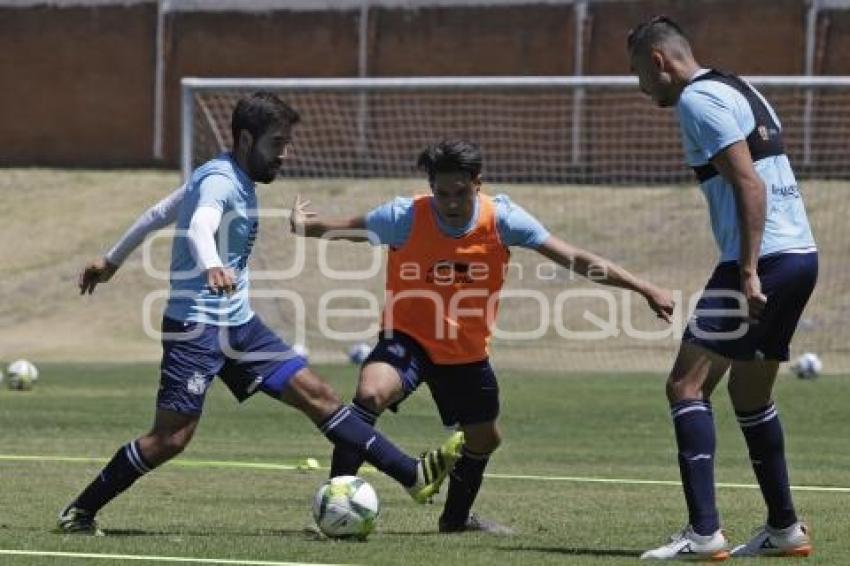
{"x":76,"y":521}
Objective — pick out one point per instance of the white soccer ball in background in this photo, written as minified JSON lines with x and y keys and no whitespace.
{"x":358,"y":353}
{"x":21,"y":375}
{"x":346,"y":507}
{"x":807,"y":366}
{"x":301,"y":350}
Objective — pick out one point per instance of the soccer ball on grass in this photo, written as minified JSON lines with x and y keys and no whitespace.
{"x":346,"y":507}
{"x":358,"y":353}
{"x":21,"y":375}
{"x":807,"y":366}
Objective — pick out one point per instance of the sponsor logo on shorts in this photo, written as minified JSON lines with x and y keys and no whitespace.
{"x":396,"y":350}
{"x":197,"y":384}
{"x":785,"y":191}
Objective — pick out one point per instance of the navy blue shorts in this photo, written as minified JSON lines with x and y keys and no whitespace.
{"x":464,"y":393}
{"x":248,"y":358}
{"x":787,"y":280}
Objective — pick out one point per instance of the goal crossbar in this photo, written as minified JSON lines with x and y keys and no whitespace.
{"x":192,"y":87}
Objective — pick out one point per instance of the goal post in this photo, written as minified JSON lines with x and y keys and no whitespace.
{"x":591,"y":157}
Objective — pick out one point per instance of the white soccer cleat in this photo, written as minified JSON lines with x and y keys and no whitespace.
{"x":688,"y":545}
{"x":790,"y":541}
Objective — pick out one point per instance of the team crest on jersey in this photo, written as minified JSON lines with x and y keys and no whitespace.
{"x":197,"y":384}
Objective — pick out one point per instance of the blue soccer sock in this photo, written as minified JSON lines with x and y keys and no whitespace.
{"x":345,"y":461}
{"x":763,"y":433}
{"x":344,"y":428}
{"x":125,"y":467}
{"x":464,"y":482}
{"x":694,"y":425}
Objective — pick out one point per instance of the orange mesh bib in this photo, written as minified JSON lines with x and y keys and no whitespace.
{"x":444,"y":291}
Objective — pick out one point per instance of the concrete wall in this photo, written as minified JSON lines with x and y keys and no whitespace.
{"x":77,"y":85}
{"x":724,"y":33}
{"x":239,"y":44}
{"x":79,"y":82}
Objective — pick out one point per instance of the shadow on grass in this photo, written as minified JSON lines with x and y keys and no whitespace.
{"x":573,"y":551}
{"x":204,"y":533}
{"x":413,"y":534}
{"x":307,"y":532}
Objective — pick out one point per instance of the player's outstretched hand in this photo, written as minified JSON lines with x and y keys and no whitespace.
{"x":96,"y":272}
{"x":661,"y":302}
{"x":299,"y":215}
{"x":756,"y":300}
{"x":221,"y":281}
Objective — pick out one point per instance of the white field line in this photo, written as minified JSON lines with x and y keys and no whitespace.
{"x":182,"y":559}
{"x":289,"y":467}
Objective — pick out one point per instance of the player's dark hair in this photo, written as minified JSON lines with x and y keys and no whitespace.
{"x":450,"y":156}
{"x":655,"y":32}
{"x":258,"y":112}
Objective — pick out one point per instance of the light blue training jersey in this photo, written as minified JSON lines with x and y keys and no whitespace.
{"x":712,"y":116}
{"x":391,"y":223}
{"x":218,"y":183}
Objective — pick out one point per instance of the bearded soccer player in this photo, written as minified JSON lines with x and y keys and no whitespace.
{"x":768,"y":266}
{"x":209,"y":328}
{"x":447,"y":257}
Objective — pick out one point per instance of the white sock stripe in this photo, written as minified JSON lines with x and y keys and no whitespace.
{"x":688,"y":409}
{"x":130,"y":458}
{"x":758,"y":418}
{"x":683,"y":404}
{"x":680,"y":404}
{"x":767,"y":410}
{"x":763,"y":420}
{"x":142,"y":464}
{"x":133,"y":457}
{"x":340,"y":416}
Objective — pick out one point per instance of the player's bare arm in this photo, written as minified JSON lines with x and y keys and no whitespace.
{"x":736,"y":165}
{"x":600,"y":270}
{"x":306,"y":223}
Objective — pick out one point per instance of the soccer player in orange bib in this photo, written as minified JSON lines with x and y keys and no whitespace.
{"x":448,"y":253}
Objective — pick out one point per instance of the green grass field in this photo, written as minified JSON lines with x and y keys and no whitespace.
{"x":564,"y":433}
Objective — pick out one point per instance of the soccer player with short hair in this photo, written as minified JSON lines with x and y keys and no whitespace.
{"x":768,"y":266}
{"x":210,"y":329}
{"x":446,"y":267}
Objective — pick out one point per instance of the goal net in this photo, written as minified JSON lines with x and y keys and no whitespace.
{"x":591,"y":157}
